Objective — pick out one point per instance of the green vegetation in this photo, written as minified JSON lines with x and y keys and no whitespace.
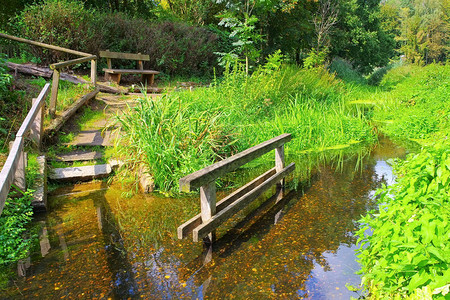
{"x":186,"y":131}
{"x":409,"y":246}
{"x":13,"y":222}
{"x":406,"y":253}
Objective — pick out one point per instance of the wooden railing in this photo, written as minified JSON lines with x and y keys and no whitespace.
{"x":214,"y":214}
{"x":58,"y":66}
{"x":13,"y":170}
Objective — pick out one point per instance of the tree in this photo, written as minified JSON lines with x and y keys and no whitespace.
{"x":359,"y":36}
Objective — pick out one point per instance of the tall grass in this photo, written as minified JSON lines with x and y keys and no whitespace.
{"x":185,"y":131}
{"x":415,"y":103}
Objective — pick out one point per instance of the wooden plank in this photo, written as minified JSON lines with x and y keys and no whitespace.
{"x":23,"y":130}
{"x":79,"y":155}
{"x":8,"y":170}
{"x":52,"y":47}
{"x":80,"y":173}
{"x":214,"y":171}
{"x":72,"y":62}
{"x":121,"y":55}
{"x":205,"y":228}
{"x":186,"y":228}
{"x":129,"y":71}
{"x":58,"y":122}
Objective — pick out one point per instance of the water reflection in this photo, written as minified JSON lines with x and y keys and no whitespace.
{"x":296,"y":243}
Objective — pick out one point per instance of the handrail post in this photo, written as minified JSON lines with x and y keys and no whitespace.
{"x":19,"y":175}
{"x":208,"y":204}
{"x":279,"y":162}
{"x":94,"y":72}
{"x":54,"y":97}
{"x":37,"y":126}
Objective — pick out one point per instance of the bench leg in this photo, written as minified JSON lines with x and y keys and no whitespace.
{"x":148,"y":79}
{"x":113,"y":77}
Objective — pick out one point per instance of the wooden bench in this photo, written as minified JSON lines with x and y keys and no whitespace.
{"x":148,"y":76}
{"x":214,"y":214}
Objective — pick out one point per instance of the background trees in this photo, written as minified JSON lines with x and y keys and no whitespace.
{"x":366,"y":33}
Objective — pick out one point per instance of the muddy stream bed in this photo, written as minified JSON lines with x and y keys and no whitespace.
{"x":95,"y":243}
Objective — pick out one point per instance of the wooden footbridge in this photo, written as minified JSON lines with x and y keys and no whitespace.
{"x":214,"y":214}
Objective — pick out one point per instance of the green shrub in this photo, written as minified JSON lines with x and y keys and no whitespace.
{"x":16,"y":215}
{"x":345,"y":71}
{"x":174,"y":48}
{"x":409,"y":244}
{"x":58,"y":22}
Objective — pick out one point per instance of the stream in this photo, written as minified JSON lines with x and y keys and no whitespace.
{"x":96,"y":242}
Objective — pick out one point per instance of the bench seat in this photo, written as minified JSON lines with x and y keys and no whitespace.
{"x":148,"y":76}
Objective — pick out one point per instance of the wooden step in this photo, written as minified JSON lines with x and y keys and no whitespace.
{"x":92,"y":138}
{"x":79,"y":155}
{"x":83,"y":173}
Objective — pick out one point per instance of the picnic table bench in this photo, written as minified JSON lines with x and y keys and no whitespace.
{"x":148,"y":76}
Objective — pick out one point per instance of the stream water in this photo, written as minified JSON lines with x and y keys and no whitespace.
{"x":297,"y":243}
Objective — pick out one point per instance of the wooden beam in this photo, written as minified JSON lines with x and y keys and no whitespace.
{"x":54,"y":97}
{"x":72,"y":62}
{"x":185,"y":229}
{"x":205,"y":228}
{"x":8,"y":170}
{"x":29,"y":119}
{"x":59,"y":121}
{"x":120,"y":55}
{"x":94,"y":71}
{"x":212,"y":172}
{"x":208,"y":204}
{"x":52,"y":47}
{"x":279,"y":161}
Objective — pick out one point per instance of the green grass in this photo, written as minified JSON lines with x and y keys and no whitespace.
{"x":68,"y":93}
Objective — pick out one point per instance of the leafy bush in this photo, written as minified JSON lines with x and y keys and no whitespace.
{"x":345,"y":71}
{"x":14,"y":219}
{"x":174,"y":48}
{"x":58,"y":22}
{"x":409,"y":244}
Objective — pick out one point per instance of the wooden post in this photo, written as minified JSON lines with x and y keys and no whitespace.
{"x":37,"y":126}
{"x":54,"y":97}
{"x":279,"y":161}
{"x":208,"y":204}
{"x":19,"y":175}
{"x":94,"y":72}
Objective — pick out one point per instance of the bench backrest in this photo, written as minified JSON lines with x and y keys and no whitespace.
{"x":120,"y":55}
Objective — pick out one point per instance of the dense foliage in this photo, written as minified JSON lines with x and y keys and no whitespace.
{"x":409,"y":244}
{"x":173,"y":47}
{"x":15,"y":217}
{"x":422,"y":28}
